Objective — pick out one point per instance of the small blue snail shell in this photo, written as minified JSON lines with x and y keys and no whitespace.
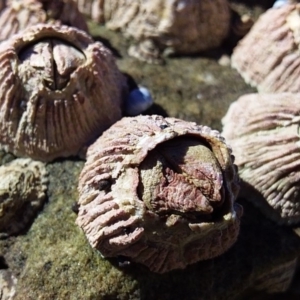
{"x":138,"y":101}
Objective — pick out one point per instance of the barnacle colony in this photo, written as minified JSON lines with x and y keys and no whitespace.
{"x":160,"y":192}
{"x":58,"y":91}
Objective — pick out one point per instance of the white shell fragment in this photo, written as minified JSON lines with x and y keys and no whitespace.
{"x":8,"y":283}
{"x":160,"y":192}
{"x":263,"y":131}
{"x":23,"y":184}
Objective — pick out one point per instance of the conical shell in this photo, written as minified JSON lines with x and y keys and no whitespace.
{"x":268,"y":56}
{"x":20,"y":14}
{"x":58,"y":91}
{"x":162,"y":210}
{"x":263,"y":131}
{"x":164,"y":23}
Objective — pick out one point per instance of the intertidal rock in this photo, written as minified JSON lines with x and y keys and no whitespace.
{"x":160,"y":25}
{"x":268,"y":56}
{"x":59,"y":90}
{"x":263,"y":131}
{"x":160,"y":192}
{"x":20,"y":14}
{"x":22,"y":194}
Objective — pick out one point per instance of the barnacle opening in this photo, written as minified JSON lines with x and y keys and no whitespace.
{"x":183,"y":177}
{"x":49,"y":61}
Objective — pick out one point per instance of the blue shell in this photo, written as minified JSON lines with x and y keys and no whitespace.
{"x":138,"y":101}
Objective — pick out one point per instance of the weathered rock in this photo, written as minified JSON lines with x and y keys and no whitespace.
{"x":23,"y":184}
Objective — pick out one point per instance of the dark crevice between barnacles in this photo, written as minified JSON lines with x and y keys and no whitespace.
{"x":183,"y":177}
{"x":49,"y":62}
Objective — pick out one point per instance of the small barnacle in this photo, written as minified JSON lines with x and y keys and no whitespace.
{"x":22,"y":194}
{"x":263,"y":131}
{"x":268,"y":56}
{"x":171,"y":200}
{"x":51,"y":102}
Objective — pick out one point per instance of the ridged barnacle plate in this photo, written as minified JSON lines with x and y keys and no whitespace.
{"x":23,"y":184}
{"x":157,"y":25}
{"x":160,"y":192}
{"x":263,"y":131}
{"x":19,"y":14}
{"x":268,"y":56}
{"x":58,"y":90}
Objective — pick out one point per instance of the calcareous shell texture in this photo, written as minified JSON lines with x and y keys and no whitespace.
{"x":184,"y":27}
{"x":268,"y":56}
{"x":23,"y":184}
{"x":20,"y":14}
{"x":160,"y":192}
{"x":263,"y":131}
{"x":58,"y":91}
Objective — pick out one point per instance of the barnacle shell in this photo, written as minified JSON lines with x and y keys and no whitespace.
{"x":159,"y":192}
{"x":20,"y":14}
{"x":268,"y":56}
{"x":93,"y":8}
{"x":58,"y":91}
{"x":165,"y":24}
{"x":263,"y":130}
{"x":22,"y":193}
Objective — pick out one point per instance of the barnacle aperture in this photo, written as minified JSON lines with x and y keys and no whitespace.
{"x":23,"y":184}
{"x":159,"y":191}
{"x":58,"y":91}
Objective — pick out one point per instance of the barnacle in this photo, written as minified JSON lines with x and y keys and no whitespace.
{"x":59,"y":90}
{"x":263,"y":131}
{"x":17,"y":15}
{"x":268,"y":56}
{"x":160,"y":25}
{"x":159,"y":192}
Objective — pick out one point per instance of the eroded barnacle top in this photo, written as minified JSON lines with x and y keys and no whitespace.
{"x":263,"y":130}
{"x":23,"y":184}
{"x":58,"y":90}
{"x":159,"y":191}
{"x":17,"y":15}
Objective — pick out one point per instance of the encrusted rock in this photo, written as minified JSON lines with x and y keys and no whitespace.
{"x":263,"y":131}
{"x":268,"y":56}
{"x":58,"y":91}
{"x":22,"y":194}
{"x":159,"y":192}
{"x":182,"y":27}
{"x":20,"y":14}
